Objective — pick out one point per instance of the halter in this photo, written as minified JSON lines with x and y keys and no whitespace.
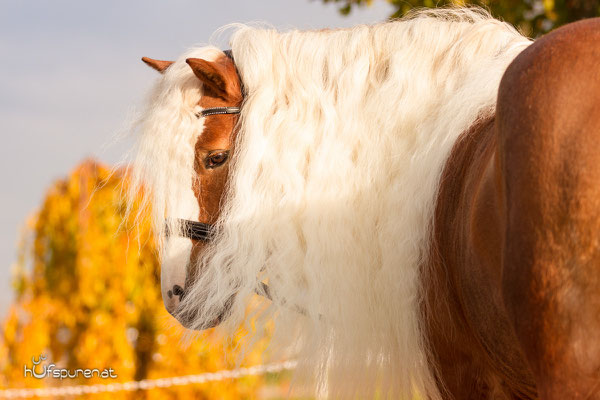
{"x":204,"y":232}
{"x":195,"y":230}
{"x":200,"y":230}
{"x":217,"y":111}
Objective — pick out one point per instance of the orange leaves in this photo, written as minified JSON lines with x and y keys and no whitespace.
{"x":89,"y":297}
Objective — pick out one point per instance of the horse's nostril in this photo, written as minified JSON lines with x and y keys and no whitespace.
{"x":177,"y":291}
{"x":170,"y":294}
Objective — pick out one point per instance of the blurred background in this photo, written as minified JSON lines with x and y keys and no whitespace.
{"x":72,"y":286}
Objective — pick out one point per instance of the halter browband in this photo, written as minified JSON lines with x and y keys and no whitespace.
{"x":217,"y":111}
{"x":220,"y":110}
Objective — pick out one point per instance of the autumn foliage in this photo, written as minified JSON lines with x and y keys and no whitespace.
{"x":533,"y":18}
{"x":88,"y":296}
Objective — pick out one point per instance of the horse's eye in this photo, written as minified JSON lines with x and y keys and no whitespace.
{"x":215,"y":160}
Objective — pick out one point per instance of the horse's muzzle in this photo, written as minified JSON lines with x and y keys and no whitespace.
{"x":190,"y":319}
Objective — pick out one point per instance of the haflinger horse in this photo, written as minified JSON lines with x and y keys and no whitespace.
{"x":419,"y":200}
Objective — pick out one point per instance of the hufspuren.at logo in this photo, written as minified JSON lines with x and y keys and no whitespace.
{"x":50,"y":371}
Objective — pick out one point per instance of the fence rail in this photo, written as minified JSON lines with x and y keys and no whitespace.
{"x":147,"y":384}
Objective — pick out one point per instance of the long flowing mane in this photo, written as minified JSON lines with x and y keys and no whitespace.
{"x":342,"y":140}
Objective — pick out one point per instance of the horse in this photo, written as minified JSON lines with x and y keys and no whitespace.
{"x":415,"y":201}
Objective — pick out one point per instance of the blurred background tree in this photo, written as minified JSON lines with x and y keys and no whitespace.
{"x":88,"y":296}
{"x":532,"y":17}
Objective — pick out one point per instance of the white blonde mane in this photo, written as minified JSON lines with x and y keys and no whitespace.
{"x":343,"y":137}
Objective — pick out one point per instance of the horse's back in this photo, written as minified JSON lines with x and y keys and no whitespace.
{"x":548,"y":128}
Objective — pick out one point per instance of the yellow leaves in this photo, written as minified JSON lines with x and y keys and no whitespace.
{"x":92,"y":298}
{"x":550,"y":9}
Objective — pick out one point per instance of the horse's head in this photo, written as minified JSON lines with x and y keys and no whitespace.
{"x":217,"y":111}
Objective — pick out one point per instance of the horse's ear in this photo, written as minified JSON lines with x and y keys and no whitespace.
{"x":219,"y":76}
{"x":158,"y":65}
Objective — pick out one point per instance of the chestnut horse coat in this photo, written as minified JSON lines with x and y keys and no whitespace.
{"x":435,"y":226}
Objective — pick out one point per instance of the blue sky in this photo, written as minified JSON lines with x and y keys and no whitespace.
{"x":71,"y":74}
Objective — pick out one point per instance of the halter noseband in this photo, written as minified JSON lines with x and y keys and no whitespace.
{"x":194,"y":230}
